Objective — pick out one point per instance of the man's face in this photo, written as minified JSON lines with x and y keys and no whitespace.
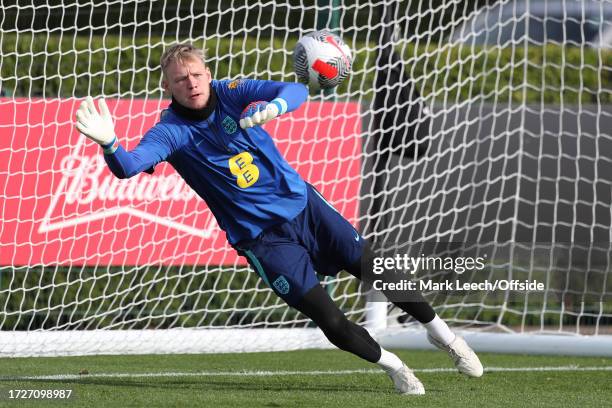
{"x":189,"y":82}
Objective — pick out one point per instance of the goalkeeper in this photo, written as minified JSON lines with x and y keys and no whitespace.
{"x":211,"y":134}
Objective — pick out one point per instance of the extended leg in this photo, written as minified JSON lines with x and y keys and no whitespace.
{"x":348,"y":336}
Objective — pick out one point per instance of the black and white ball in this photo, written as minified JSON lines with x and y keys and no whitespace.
{"x":322,"y":60}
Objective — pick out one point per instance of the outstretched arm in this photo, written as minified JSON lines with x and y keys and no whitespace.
{"x":270,"y":99}
{"x":98,"y":127}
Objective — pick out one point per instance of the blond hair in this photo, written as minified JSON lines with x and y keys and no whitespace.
{"x":180,"y":53}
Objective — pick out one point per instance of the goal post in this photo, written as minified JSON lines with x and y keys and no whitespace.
{"x":448,"y":140}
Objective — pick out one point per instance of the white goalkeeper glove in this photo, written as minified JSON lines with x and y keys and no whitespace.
{"x":259,"y":112}
{"x":96,"y":126}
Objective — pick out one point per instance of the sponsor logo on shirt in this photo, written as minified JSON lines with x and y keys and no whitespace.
{"x":241,"y":166}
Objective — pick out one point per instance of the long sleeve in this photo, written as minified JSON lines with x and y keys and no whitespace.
{"x":293,"y":94}
{"x":155,"y":146}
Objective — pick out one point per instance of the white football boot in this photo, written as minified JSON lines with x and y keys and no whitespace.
{"x":406,"y":383}
{"x":463,"y":356}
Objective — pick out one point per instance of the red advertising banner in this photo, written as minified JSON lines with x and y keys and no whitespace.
{"x":59,"y":203}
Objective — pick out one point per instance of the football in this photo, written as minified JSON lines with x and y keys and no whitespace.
{"x":322,"y":60}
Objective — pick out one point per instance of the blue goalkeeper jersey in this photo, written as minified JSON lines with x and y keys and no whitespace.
{"x":244,"y":179}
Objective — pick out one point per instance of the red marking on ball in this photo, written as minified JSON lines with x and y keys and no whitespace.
{"x":330,"y":39}
{"x":325,"y":69}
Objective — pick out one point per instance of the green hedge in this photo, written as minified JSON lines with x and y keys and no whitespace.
{"x":63,"y":66}
{"x":149,"y":297}
{"x":146,"y":297}
{"x":536,"y":75}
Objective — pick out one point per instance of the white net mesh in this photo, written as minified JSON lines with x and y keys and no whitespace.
{"x":483,"y":123}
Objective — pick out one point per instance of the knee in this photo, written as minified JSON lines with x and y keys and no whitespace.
{"x":334,"y":323}
{"x":337,"y":330}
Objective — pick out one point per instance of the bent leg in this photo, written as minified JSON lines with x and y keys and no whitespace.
{"x":439,"y":334}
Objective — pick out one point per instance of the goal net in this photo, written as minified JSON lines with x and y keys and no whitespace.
{"x":466,"y":129}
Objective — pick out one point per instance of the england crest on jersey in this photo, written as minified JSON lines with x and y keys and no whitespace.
{"x":229,"y":125}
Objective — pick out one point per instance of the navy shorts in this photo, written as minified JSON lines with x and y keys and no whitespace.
{"x":319,"y":239}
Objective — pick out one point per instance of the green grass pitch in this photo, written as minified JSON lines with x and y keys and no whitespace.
{"x":311,"y":378}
